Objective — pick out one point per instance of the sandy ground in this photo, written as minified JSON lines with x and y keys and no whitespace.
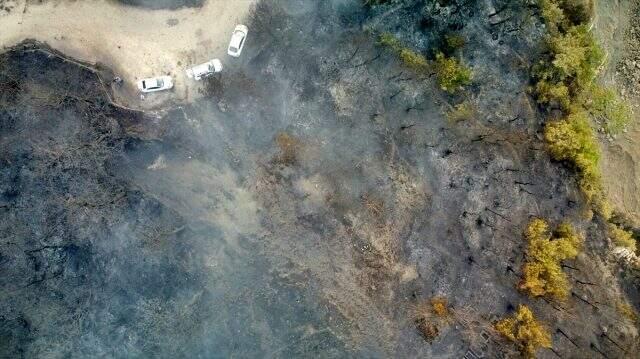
{"x":134,"y":42}
{"x":619,"y":157}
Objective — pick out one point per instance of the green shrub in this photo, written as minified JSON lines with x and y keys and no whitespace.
{"x":553,"y":15}
{"x":572,"y":139}
{"x":542,"y":273}
{"x":452,"y":75}
{"x":576,"y":56}
{"x":453,"y":42}
{"x":607,"y":107}
{"x":409,"y":57}
{"x":414,"y":60}
{"x":555,"y":93}
{"x":388,"y":40}
{"x":565,"y":78}
{"x":559,"y":15}
{"x":622,"y":238}
{"x":578,"y":12}
{"x":569,"y":69}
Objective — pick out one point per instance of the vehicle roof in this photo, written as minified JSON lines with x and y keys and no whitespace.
{"x":151,"y":82}
{"x":202,"y":68}
{"x":236,"y":38}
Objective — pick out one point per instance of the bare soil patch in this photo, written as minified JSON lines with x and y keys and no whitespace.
{"x":136,"y":42}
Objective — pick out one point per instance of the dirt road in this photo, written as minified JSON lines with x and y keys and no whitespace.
{"x":134,"y":42}
{"x":620,"y":155}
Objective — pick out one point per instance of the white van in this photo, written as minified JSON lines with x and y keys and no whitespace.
{"x":203,"y":70}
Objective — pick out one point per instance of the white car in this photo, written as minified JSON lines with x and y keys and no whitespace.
{"x":237,"y":40}
{"x":154,"y":84}
{"x":201,"y":71}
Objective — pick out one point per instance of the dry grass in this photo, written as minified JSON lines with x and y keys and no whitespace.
{"x":440,"y":307}
{"x":289,"y":148}
{"x":627,"y":311}
{"x":431,"y":316}
{"x":461,"y":112}
{"x":374,"y":206}
{"x":428,"y":330}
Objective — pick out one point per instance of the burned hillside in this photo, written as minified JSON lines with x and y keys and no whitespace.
{"x":325,"y":198}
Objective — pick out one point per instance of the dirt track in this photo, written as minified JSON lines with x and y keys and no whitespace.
{"x":135,"y":42}
{"x":620,"y":155}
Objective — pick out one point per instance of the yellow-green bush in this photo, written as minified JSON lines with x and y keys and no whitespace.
{"x":572,"y":139}
{"x":559,"y":15}
{"x":578,"y":11}
{"x":606,"y":106}
{"x":414,"y":60}
{"x":452,"y":74}
{"x":454,"y":42}
{"x":576,"y":56}
{"x":552,"y":92}
{"x":390,"y":41}
{"x":542,"y":273}
{"x":409,"y":57}
{"x":565,"y":78}
{"x":525,"y":331}
{"x":622,"y":238}
{"x":570,"y":68}
{"x":553,"y":15}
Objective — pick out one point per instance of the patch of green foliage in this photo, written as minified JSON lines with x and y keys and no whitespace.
{"x":453,"y":42}
{"x":452,"y":74}
{"x":559,"y":15}
{"x":388,"y":40}
{"x":608,"y":108}
{"x":570,"y":67}
{"x":571,"y":139}
{"x":542,"y":273}
{"x":565,"y":78}
{"x":622,"y":238}
{"x":524,"y":330}
{"x":409,"y":57}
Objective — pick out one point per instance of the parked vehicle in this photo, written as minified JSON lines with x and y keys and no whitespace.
{"x":154,"y":84}
{"x":201,"y":71}
{"x":237,"y":40}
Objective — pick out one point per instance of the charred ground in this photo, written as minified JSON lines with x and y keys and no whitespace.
{"x":306,"y":207}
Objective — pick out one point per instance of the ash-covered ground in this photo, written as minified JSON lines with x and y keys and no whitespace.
{"x":304,"y":207}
